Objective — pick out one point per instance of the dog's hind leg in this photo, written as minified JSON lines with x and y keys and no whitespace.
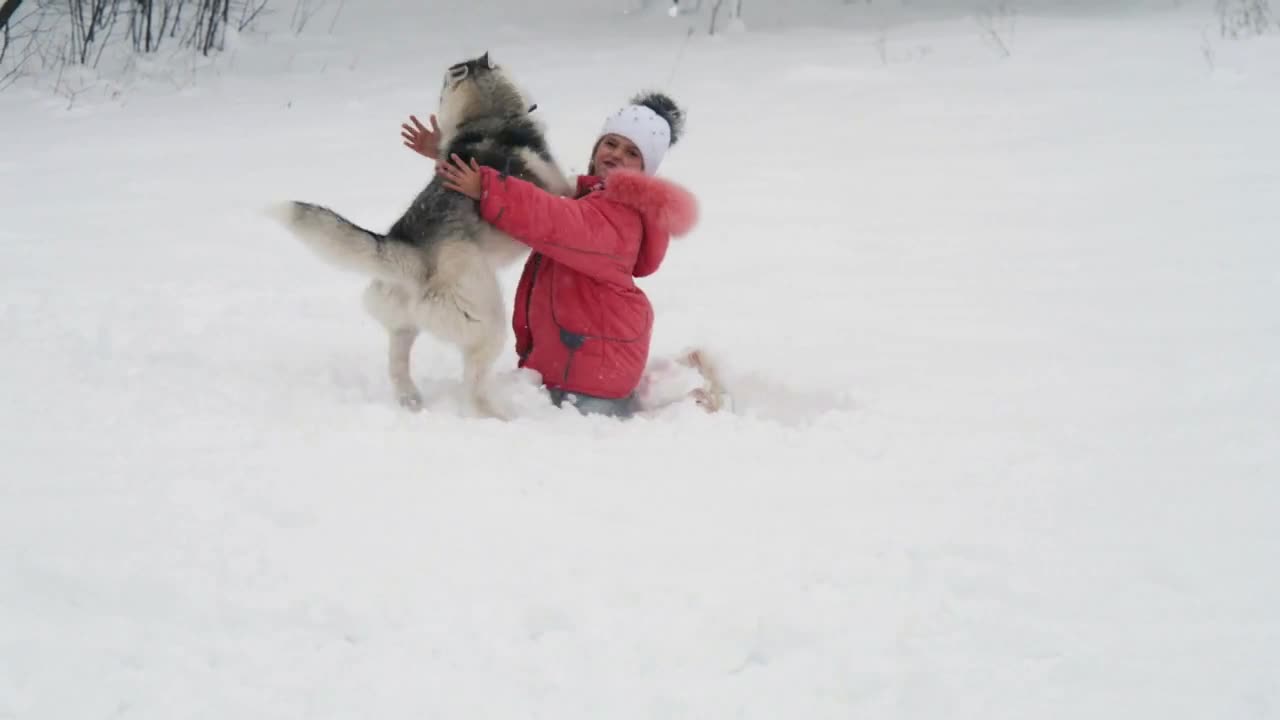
{"x":398,"y":368}
{"x":388,"y":304}
{"x":479,"y":355}
{"x":464,"y":307}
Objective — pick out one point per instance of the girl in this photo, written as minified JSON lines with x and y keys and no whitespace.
{"x":580,"y":321}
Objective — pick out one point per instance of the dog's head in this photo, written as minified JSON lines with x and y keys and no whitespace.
{"x":477,"y":88}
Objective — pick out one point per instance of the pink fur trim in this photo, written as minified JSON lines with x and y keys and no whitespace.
{"x":663,"y":202}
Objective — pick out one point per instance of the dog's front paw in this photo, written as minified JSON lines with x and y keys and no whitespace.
{"x":411,"y":401}
{"x":706,"y":399}
{"x":486,"y":408}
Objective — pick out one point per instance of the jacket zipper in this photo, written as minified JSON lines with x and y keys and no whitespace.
{"x":568,"y":366}
{"x":573,"y":342}
{"x":528,"y":300}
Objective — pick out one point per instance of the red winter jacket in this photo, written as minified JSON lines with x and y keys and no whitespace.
{"x":579,"y":319}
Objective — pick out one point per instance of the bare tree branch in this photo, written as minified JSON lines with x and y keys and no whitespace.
{"x":4,"y":40}
{"x":715,"y":11}
{"x":1237,"y":18}
{"x":7,"y":9}
{"x":61,"y":33}
{"x":249,"y":12}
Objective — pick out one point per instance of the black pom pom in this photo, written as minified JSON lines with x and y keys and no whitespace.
{"x":666,"y":109}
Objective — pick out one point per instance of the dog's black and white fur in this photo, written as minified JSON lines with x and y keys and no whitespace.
{"x":435,"y":269}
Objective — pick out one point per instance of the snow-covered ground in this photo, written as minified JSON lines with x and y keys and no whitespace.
{"x":1002,"y":333}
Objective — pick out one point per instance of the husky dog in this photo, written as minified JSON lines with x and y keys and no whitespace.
{"x":436,"y":268}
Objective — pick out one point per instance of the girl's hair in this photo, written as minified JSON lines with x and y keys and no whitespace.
{"x":591,"y":159}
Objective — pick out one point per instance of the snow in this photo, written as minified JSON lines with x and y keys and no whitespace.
{"x":1001,"y":333}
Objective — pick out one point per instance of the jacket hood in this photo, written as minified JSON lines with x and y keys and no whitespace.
{"x":667,"y":209}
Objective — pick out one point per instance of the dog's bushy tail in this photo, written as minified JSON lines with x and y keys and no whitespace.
{"x":347,"y":245}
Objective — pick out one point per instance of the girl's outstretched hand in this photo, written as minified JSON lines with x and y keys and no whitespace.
{"x":421,"y":140}
{"x":462,"y":177}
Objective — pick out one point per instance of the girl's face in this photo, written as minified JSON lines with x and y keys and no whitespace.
{"x":613,"y":152}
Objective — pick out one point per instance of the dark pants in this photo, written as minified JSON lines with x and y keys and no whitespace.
{"x":592,"y":405}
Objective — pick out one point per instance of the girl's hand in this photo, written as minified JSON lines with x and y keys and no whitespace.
{"x":462,"y":177}
{"x":421,"y":140}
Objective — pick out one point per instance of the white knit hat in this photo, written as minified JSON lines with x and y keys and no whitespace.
{"x":653,"y":132}
{"x":646,"y":129}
